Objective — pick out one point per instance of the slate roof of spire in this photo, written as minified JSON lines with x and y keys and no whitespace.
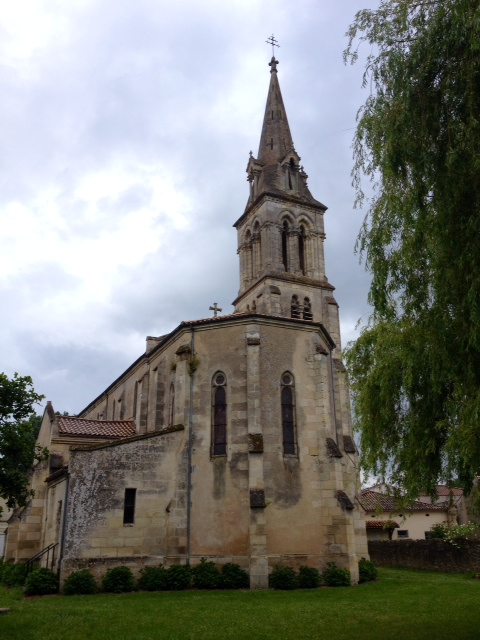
{"x":275,"y":123}
{"x":72,"y":426}
{"x":276,"y":143}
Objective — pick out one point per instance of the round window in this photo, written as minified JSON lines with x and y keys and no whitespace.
{"x":287,"y":378}
{"x":220,"y":379}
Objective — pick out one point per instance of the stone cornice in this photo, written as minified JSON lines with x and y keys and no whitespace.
{"x":275,"y":197}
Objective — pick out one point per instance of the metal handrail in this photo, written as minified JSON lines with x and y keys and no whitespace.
{"x":50,"y":549}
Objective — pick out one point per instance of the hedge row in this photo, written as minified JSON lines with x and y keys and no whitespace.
{"x":120,"y":579}
{"x":178,"y":577}
{"x":286,"y":578}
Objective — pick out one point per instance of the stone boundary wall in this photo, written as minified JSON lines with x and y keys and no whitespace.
{"x":435,"y":555}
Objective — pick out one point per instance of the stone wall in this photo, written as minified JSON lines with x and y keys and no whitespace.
{"x":435,"y":555}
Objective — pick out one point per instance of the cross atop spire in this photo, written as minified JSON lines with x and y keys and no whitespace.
{"x":271,"y":40}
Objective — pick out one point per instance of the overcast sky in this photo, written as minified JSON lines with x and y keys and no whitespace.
{"x":125,"y":132}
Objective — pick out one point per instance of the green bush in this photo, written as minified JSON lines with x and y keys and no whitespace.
{"x":179,"y":577}
{"x":153,"y":579}
{"x":367,"y":571}
{"x":283,"y":578}
{"x":206,"y":575}
{"x":234,"y":577}
{"x":13,"y":575}
{"x":118,"y":580}
{"x":438,"y":531}
{"x":308,"y":578}
{"x":41,"y":582}
{"x":80,"y":583}
{"x":333,"y":576}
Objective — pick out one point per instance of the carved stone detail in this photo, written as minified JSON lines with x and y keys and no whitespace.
{"x":255,"y":443}
{"x":344,"y":500}
{"x":349,"y":445}
{"x":332,"y":449}
{"x":257,"y":498}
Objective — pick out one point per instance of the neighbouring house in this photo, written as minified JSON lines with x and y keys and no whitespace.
{"x":451,"y":497}
{"x":385,"y":521}
{"x":230,"y":438}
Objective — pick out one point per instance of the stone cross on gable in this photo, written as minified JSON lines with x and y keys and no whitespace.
{"x":215,"y":309}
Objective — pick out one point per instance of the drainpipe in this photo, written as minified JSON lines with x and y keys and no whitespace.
{"x":64,"y":525}
{"x":190,"y":446}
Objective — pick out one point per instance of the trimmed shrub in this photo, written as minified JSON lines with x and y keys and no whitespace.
{"x":80,"y":583}
{"x":308,"y":578}
{"x":153,"y":579}
{"x":368,"y":572}
{"x":13,"y":575}
{"x":206,"y":575}
{"x":179,"y":577}
{"x":41,"y":582}
{"x":234,"y":577}
{"x":118,"y":580}
{"x":283,"y":578}
{"x":333,"y":576}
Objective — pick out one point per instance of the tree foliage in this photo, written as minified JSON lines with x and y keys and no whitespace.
{"x":415,"y":369}
{"x":19,"y":428}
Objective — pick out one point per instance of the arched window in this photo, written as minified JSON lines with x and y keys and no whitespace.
{"x":307,"y":309}
{"x":248,"y":256}
{"x":171,"y":406}
{"x":219,"y":415}
{"x":288,"y":414}
{"x":285,"y":245}
{"x":257,"y":249}
{"x":295,"y":307}
{"x":301,"y":249}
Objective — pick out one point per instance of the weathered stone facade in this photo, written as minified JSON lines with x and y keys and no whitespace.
{"x":243,"y":449}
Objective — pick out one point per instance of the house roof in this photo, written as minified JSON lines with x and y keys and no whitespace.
{"x":380,"y":524}
{"x":72,"y":426}
{"x":443,"y":490}
{"x":373,"y":501}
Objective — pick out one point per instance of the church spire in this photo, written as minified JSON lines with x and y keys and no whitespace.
{"x":277,"y":171}
{"x":276,"y":139}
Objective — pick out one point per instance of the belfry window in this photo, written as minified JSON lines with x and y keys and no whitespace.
{"x":219,"y":415}
{"x":285,"y":245}
{"x":295,"y":307}
{"x":288,"y":414}
{"x":301,"y":249}
{"x":307,"y":309}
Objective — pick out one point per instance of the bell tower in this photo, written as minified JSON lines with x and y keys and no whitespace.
{"x":281,"y":232}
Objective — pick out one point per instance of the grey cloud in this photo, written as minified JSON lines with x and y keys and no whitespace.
{"x":153,"y":84}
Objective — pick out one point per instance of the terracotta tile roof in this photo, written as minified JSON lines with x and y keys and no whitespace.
{"x":242,"y":314}
{"x":442,"y":490}
{"x":71,"y":426}
{"x":372,"y":501}
{"x":380,"y":524}
{"x":219,"y":318}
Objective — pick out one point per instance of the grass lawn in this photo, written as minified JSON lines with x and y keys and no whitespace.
{"x":403,"y":604}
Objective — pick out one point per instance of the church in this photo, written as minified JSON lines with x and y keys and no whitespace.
{"x":229,"y":438}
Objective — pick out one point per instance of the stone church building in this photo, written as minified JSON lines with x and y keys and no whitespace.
{"x":229,"y":438}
